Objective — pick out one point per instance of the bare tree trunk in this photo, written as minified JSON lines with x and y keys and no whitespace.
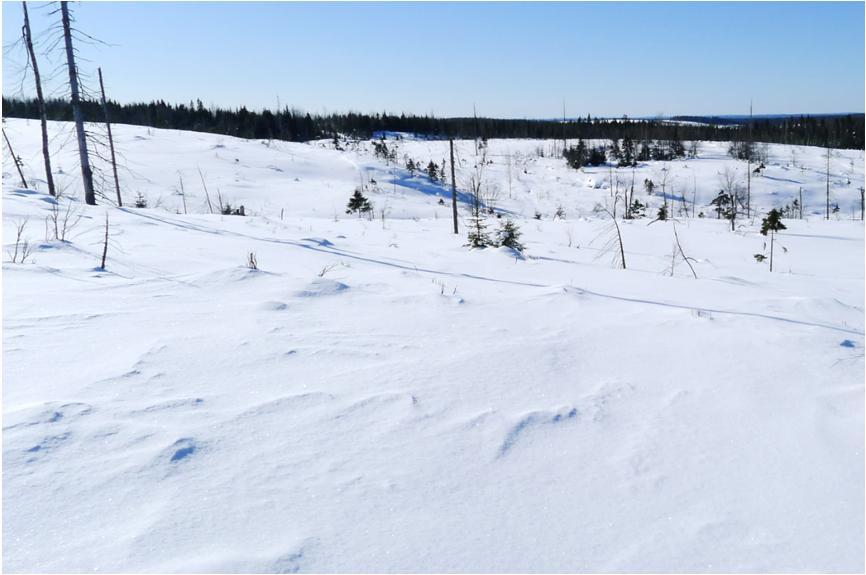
{"x":206,"y":195}
{"x":183,"y":194}
{"x":453,"y":188}
{"x":86,"y":172}
{"x":564,"y":141}
{"x":801,"y":202}
{"x":772,"y":241}
{"x":28,"y":38}
{"x":619,"y":239}
{"x":827,"y":216}
{"x":862,"y":204}
{"x":15,"y":160}
{"x":682,"y":253}
{"x":475,"y":115}
{"x":111,"y":142}
{"x":749,"y":170}
{"x":105,"y":243}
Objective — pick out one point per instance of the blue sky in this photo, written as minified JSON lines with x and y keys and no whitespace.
{"x":510,"y":59}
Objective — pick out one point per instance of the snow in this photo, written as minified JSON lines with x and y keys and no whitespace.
{"x":376,"y":397}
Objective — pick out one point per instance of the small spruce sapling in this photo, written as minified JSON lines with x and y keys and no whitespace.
{"x":358,"y":204}
{"x":772,"y":224}
{"x":508,"y":235}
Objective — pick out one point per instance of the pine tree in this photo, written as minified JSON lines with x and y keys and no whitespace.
{"x":358,"y":203}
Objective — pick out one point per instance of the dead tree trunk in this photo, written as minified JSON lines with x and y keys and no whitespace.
{"x":110,"y":139}
{"x":105,"y":244}
{"x":453,"y":188}
{"x":86,"y":171}
{"x":862,"y":204}
{"x":827,"y":216}
{"x":28,"y":39}
{"x":15,"y":160}
{"x":772,"y":241}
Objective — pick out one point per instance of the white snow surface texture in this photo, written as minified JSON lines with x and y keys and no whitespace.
{"x":377,"y":397}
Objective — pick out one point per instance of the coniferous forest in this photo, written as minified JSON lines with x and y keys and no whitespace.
{"x":835,"y":131}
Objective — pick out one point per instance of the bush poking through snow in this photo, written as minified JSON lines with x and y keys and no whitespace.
{"x":61,"y":222}
{"x":140,"y":201}
{"x":22,"y":249}
{"x":252,"y":261}
{"x":228,"y":210}
{"x":508,"y":235}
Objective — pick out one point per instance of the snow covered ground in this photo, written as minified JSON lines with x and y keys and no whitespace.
{"x":379,"y":398}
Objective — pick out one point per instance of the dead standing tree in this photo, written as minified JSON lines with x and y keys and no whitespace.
{"x":15,"y":159}
{"x":28,"y":40}
{"x":453,"y":188}
{"x":86,"y":171}
{"x":111,"y":141}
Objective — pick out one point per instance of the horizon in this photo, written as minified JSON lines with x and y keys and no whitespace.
{"x":532,"y":61}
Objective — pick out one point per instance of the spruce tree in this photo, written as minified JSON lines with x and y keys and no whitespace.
{"x":433,"y":171}
{"x":772,"y":224}
{"x":358,"y":203}
{"x":508,"y":235}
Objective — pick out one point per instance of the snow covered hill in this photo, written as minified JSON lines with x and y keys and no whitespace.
{"x":376,"y":397}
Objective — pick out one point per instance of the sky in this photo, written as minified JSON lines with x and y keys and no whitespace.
{"x":516,"y":60}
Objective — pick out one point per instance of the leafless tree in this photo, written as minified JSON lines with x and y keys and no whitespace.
{"x":613,"y":243}
{"x":110,"y":139}
{"x":46,"y":156}
{"x":86,"y":171}
{"x":453,"y":187}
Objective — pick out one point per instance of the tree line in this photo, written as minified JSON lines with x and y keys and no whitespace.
{"x":838,"y":131}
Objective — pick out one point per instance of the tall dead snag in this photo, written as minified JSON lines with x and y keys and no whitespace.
{"x":827,"y":216}
{"x":111,"y":140}
{"x":453,"y":188}
{"x":86,"y":171}
{"x":28,"y":40}
{"x":15,"y":160}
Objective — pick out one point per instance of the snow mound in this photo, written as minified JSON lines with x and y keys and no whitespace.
{"x":323,"y":287}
